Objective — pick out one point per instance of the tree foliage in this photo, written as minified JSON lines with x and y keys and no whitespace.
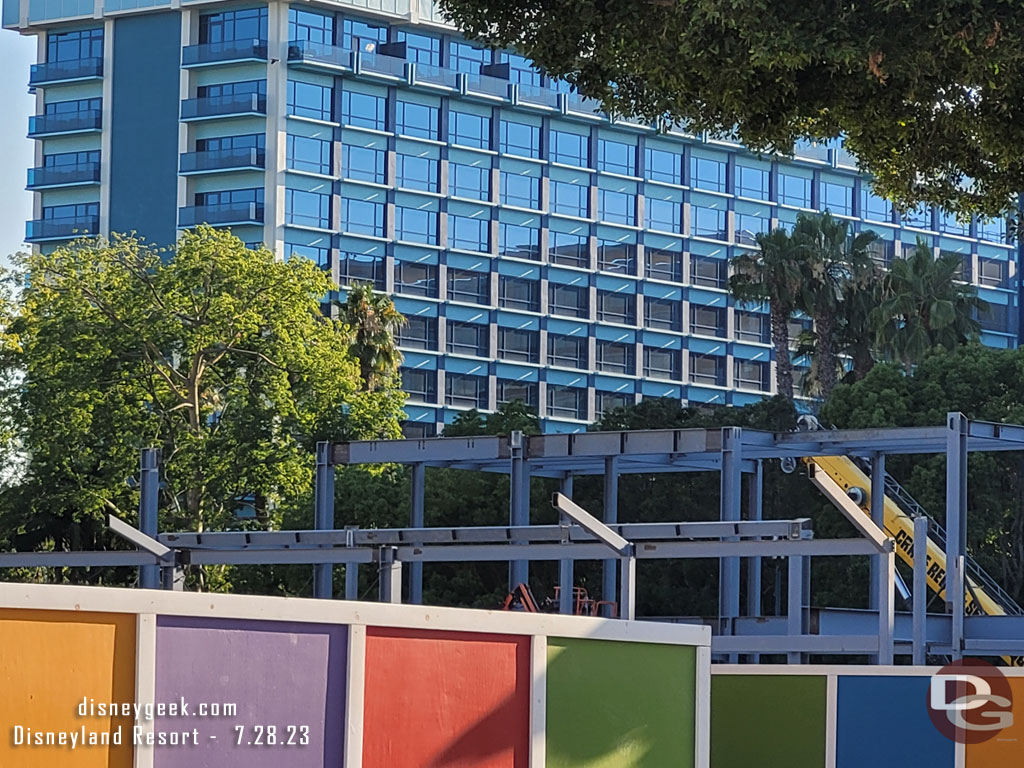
{"x":927,"y":96}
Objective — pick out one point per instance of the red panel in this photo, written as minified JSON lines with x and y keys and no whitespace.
{"x":446,"y":700}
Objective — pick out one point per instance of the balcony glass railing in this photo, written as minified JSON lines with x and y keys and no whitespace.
{"x":439,"y":76}
{"x":222,"y":159}
{"x":381,"y":64}
{"x":230,"y":50}
{"x":485,"y":85}
{"x":62,"y":228}
{"x":223,"y":106}
{"x":57,"y":175}
{"x":57,"y":71}
{"x":65,"y":122}
{"x":221,"y":214}
{"x":534,"y":94}
{"x":308,"y":52}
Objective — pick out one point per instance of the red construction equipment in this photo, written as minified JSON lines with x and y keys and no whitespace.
{"x":521,"y":599}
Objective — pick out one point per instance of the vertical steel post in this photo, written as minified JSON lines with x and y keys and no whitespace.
{"x":518,"y":570}
{"x":323,"y":514}
{"x":886,"y":600}
{"x":877,"y":496}
{"x":417,"y":485}
{"x":610,"y":579}
{"x":565,"y":567}
{"x":389,"y":575}
{"x":920,"y":587}
{"x":627,"y":601}
{"x":956,"y":523}
{"x":731,"y":500}
{"x":149,"y":497}
{"x":795,"y":604}
{"x":755,"y":496}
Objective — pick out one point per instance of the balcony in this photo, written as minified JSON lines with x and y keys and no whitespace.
{"x":222,"y":214}
{"x":535,"y":96}
{"x":223,"y":160}
{"x":381,"y":65}
{"x":434,"y":77}
{"x":236,"y":105}
{"x":318,"y":56}
{"x":77,"y":174}
{"x":65,"y":228}
{"x":65,"y":71}
{"x":486,"y":87}
{"x":86,"y":121}
{"x":219,"y":53}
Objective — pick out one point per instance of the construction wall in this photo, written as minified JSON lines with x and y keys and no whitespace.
{"x":341,"y":684}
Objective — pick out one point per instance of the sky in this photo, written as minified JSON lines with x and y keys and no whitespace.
{"x":17,"y":54}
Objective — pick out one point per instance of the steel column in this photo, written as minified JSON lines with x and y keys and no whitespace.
{"x":323,"y":514}
{"x":877,"y":496}
{"x":920,"y":587}
{"x":389,"y":575}
{"x":795,"y":604}
{"x":956,"y":523}
{"x":565,"y":567}
{"x":611,"y":516}
{"x":149,"y":498}
{"x":417,"y":485}
{"x":627,"y":603}
{"x":518,"y":570}
{"x":886,"y":601}
{"x":731,"y":496}
{"x":755,"y":500}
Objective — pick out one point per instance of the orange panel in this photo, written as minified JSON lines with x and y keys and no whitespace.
{"x":1006,"y":748}
{"x":49,"y":662}
{"x":446,"y":699}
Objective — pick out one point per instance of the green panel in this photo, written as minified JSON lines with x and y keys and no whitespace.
{"x":768,"y":721}
{"x":620,"y":705}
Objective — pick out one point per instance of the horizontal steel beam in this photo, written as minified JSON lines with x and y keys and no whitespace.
{"x":795,"y":644}
{"x":101,"y":559}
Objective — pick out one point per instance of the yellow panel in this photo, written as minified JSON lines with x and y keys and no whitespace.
{"x":50,"y":661}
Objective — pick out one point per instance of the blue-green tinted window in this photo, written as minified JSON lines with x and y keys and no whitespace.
{"x":664,"y":314}
{"x":751,"y":182}
{"x":77,"y":105}
{"x":707,"y":321}
{"x":363,"y":217}
{"x":661,"y":165}
{"x":521,"y":70}
{"x":748,"y":227}
{"x":416,"y":120}
{"x":469,"y":130}
{"x":570,"y":148}
{"x":415,"y":172}
{"x":510,"y":390}
{"x":751,"y":326}
{"x":707,"y":174}
{"x":464,"y":390}
{"x":73,"y":46}
{"x":309,"y":100}
{"x":707,"y":222}
{"x":230,"y":197}
{"x":256,"y":141}
{"x":663,"y":363}
{"x":995,"y":318}
{"x":616,"y":207}
{"x":419,"y":386}
{"x":613,"y":256}
{"x":363,"y":164}
{"x":519,"y":139}
{"x":218,"y":90}
{"x":72,"y":210}
{"x":874,"y":207}
{"x":616,"y":157}
{"x":519,"y":293}
{"x":364,"y":110}
{"x":310,"y":26}
{"x":307,"y":209}
{"x":570,"y":199}
{"x":305,"y":154}
{"x":418,"y":333}
{"x":463,"y":57}
{"x":415,"y":225}
{"x":568,"y":300}
{"x":707,"y":369}
{"x":320,"y":256}
{"x":613,"y":307}
{"x":567,"y":402}
{"x":469,"y":181}
{"x":663,"y":215}
{"x":920,"y":217}
{"x":519,"y":190}
{"x":416,"y":279}
{"x":422,"y":49}
{"x":466,"y":338}
{"x":950,"y":223}
{"x":469,"y":234}
{"x":521,"y":346}
{"x":469,"y":286}
{"x":568,"y":249}
{"x":360,"y":268}
{"x":228,"y":26}
{"x":62,"y":159}
{"x":993,"y":230}
{"x":567,"y":351}
{"x":615,"y":357}
{"x":663,"y":264}
{"x":518,"y":241}
{"x":837,"y":198}
{"x":708,"y":272}
{"x":794,"y":190}
{"x":361,"y":36}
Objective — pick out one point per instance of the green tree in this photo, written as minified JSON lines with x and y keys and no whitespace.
{"x":375,"y":324}
{"x":923,"y":304}
{"x":920,"y":92}
{"x":219,"y":355}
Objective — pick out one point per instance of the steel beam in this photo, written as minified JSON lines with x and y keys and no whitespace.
{"x":730,"y":509}
{"x":518,"y":570}
{"x":149,"y":506}
{"x":886,"y":601}
{"x":795,"y":604}
{"x":627,"y":602}
{"x":93,"y":559}
{"x":920,"y":596}
{"x":417,"y":486}
{"x":566,"y":581}
{"x":323,"y":514}
{"x":877,"y":498}
{"x":611,"y":516}
{"x":956,"y":523}
{"x":755,"y":500}
{"x":389,"y":575}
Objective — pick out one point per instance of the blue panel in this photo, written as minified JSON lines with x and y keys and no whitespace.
{"x":704,"y":395}
{"x":12,"y":10}
{"x":467,"y":314}
{"x":660,"y":389}
{"x":418,"y":413}
{"x":869,"y":707}
{"x":517,"y":372}
{"x":458,"y":365}
{"x":709,"y":298}
{"x":612,"y":384}
{"x":144,"y":129}
{"x":566,"y":378}
{"x":706,"y":347}
{"x":419,"y":361}
{"x":412,"y":307}
{"x":743,"y":352}
{"x":567,"y":327}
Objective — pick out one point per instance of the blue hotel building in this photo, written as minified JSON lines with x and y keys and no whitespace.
{"x":541,"y":249}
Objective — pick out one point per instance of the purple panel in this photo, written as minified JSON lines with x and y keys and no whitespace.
{"x":278,"y":674}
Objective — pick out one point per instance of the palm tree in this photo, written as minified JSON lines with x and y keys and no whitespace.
{"x":374,"y":323}
{"x":924,"y":305}
{"x":773,"y":274}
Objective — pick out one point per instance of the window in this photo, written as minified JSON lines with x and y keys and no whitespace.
{"x":521,"y":70}
{"x":71,"y":107}
{"x":568,"y":249}
{"x":471,"y":287}
{"x":518,"y":241}
{"x":465,"y":391}
{"x":422,"y":49}
{"x":663,"y":363}
{"x":415,"y":225}
{"x":77,"y":45}
{"x":608,"y":401}
{"x":230,"y":197}
{"x":751,"y":182}
{"x":257,"y":141}
{"x":314,"y":156}
{"x":992,"y":272}
{"x":663,"y":264}
{"x":613,"y":307}
{"x":419,"y":386}
{"x":363,"y":110}
{"x":661,"y":165}
{"x":74,"y":210}
{"x":519,"y":345}
{"x":794,"y":190}
{"x":567,"y":351}
{"x":359,"y":35}
{"x":615,"y":357}
{"x":223,"y":90}
{"x":950,"y":223}
{"x":568,"y":300}
{"x":519,"y":139}
{"x":416,"y":120}
{"x":519,"y":190}
{"x":707,"y":369}
{"x":310,"y":26}
{"x":418,"y":430}
{"x":418,"y":333}
{"x":469,"y":234}
{"x":616,"y":157}
{"x":616,"y":257}
{"x":570,"y":199}
{"x":310,"y":100}
{"x":874,"y":207}
{"x":707,"y":174}
{"x":796,"y":326}
{"x":307,"y":209}
{"x":748,"y":227}
{"x":920,"y":217}
{"x":570,"y":148}
{"x":751,"y":326}
{"x":616,"y":207}
{"x":469,"y":130}
{"x":567,"y":402}
{"x":748,"y":374}
{"x":63,"y":159}
{"x":665,"y":314}
{"x":416,"y":279}
{"x":518,"y":293}
{"x":228,"y":26}
{"x":319,"y":256}
{"x":362,"y":217}
{"x":467,"y":338}
{"x":993,"y":230}
{"x":707,"y":222}
{"x":881,"y":252}
{"x":708,"y":271}
{"x":509,"y":391}
{"x":416,"y":172}
{"x":995,"y":318}
{"x":837,"y":198}
{"x":463,"y":57}
{"x":360,"y":268}
{"x":707,"y":321}
{"x":663,"y":215}
{"x":469,"y":181}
